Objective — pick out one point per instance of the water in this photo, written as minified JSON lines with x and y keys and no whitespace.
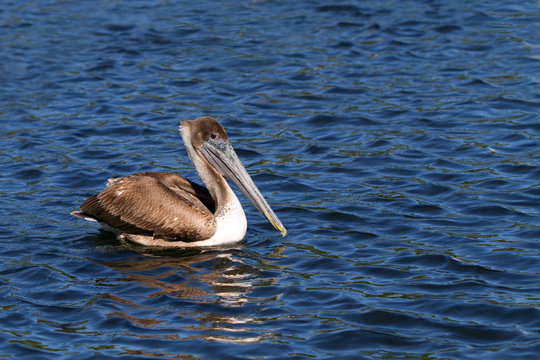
{"x":398,"y":141}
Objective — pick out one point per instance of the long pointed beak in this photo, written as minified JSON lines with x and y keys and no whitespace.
{"x":223,"y":157}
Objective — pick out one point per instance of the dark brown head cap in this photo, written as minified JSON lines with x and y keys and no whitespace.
{"x":202,"y":129}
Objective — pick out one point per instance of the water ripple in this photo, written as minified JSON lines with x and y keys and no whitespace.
{"x":396,"y":141}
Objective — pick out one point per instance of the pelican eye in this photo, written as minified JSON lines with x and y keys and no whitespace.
{"x":214,"y":136}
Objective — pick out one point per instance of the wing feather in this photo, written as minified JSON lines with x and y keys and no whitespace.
{"x":159,"y":204}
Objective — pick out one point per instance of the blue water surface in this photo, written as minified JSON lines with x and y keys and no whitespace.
{"x":398,"y":141}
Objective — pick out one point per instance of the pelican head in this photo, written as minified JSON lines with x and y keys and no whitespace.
{"x":209,"y":148}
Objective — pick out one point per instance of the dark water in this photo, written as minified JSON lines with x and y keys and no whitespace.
{"x":398,"y":141}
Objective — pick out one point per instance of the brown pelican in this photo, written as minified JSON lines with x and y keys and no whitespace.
{"x":165,"y":209}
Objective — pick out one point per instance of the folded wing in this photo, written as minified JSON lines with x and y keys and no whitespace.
{"x":164,"y":205}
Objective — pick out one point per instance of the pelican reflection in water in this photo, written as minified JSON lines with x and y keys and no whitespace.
{"x":165,"y":209}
